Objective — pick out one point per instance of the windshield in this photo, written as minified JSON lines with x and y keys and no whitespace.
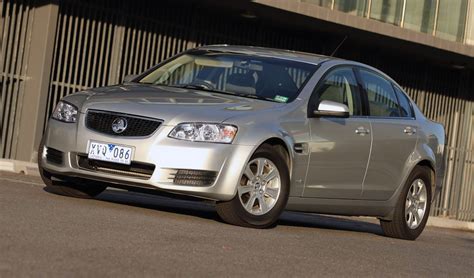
{"x":238,"y":74}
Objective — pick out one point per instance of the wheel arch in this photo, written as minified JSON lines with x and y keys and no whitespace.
{"x":421,"y":162}
{"x":430,"y":165}
{"x":280,"y":146}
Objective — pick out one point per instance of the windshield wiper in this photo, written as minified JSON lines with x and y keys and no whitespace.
{"x":198,"y":87}
{"x":256,"y":97}
{"x":205,"y":88}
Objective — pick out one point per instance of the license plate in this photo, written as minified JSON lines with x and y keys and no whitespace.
{"x":110,"y":152}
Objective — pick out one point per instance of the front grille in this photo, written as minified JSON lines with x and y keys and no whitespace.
{"x":194,"y":177}
{"x":101,"y":121}
{"x":54,"y":156}
{"x":135,"y":169}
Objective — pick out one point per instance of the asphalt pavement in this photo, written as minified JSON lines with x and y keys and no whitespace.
{"x":125,"y":234}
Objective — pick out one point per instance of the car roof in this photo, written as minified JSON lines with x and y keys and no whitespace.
{"x":303,"y":57}
{"x":270,"y":52}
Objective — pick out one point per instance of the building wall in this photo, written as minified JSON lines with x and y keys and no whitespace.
{"x":96,"y":43}
{"x":445,"y":19}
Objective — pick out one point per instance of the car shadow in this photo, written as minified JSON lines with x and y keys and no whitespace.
{"x":207,"y":211}
{"x":160,"y":203}
{"x":320,"y":221}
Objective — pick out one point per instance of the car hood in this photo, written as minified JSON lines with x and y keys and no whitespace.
{"x":172,"y":105}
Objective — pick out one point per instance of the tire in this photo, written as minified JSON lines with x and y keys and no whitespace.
{"x":256,"y":215}
{"x":407,"y":206}
{"x":83,"y":191}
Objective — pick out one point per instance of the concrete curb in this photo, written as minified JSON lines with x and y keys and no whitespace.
{"x":442,"y":222}
{"x":31,"y":168}
{"x":16,"y":166}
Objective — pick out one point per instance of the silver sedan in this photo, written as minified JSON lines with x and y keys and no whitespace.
{"x":255,"y":131}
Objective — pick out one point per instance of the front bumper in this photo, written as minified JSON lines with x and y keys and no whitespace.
{"x":166,"y":154}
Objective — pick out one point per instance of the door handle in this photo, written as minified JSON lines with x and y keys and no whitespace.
{"x":409,"y":130}
{"x":362,"y":131}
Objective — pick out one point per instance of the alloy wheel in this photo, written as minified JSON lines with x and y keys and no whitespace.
{"x":415,"y":204}
{"x":260,"y":186}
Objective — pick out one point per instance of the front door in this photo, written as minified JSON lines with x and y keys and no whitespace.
{"x":339,"y":147}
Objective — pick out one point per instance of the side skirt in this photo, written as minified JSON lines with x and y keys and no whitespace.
{"x":380,"y":209}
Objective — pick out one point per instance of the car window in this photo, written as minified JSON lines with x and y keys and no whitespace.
{"x":245,"y":75}
{"x":381,"y":96}
{"x":405,"y":107}
{"x":340,"y":85}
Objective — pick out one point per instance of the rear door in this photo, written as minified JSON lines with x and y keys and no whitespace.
{"x":393,"y":131}
{"x":339,"y":147}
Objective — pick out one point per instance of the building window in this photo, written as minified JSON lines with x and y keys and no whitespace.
{"x":420,"y":15}
{"x":470,"y":25}
{"x":354,"y":7}
{"x":445,"y":19}
{"x":322,"y":3}
{"x":389,"y":11}
{"x":451,"y":19}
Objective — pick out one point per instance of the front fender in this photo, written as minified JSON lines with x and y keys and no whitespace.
{"x":298,"y":161}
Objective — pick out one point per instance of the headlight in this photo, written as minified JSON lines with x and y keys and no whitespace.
{"x":203,"y":132}
{"x":65,"y":112}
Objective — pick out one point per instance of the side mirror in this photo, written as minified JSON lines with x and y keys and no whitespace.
{"x":129,"y":78}
{"x":329,"y":108}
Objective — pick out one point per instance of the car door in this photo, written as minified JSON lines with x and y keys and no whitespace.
{"x":339,"y":147}
{"x":394,"y":135}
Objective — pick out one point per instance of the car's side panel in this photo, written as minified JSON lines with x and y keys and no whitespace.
{"x":431,"y":137}
{"x":432,"y":147}
{"x":380,"y":209}
{"x":338,"y":157}
{"x":392,"y":149}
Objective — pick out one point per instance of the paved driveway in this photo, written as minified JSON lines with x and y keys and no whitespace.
{"x":129,"y":234}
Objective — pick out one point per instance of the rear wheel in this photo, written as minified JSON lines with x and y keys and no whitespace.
{"x":413,"y":207}
{"x":71,"y":189}
{"x":262,"y":192}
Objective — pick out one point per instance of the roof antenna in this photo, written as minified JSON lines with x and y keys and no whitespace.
{"x":337,"y":48}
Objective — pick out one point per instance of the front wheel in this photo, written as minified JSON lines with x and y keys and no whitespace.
{"x":262,"y":192}
{"x":413,"y":207}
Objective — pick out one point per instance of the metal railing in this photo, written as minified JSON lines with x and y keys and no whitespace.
{"x":15,"y":28}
